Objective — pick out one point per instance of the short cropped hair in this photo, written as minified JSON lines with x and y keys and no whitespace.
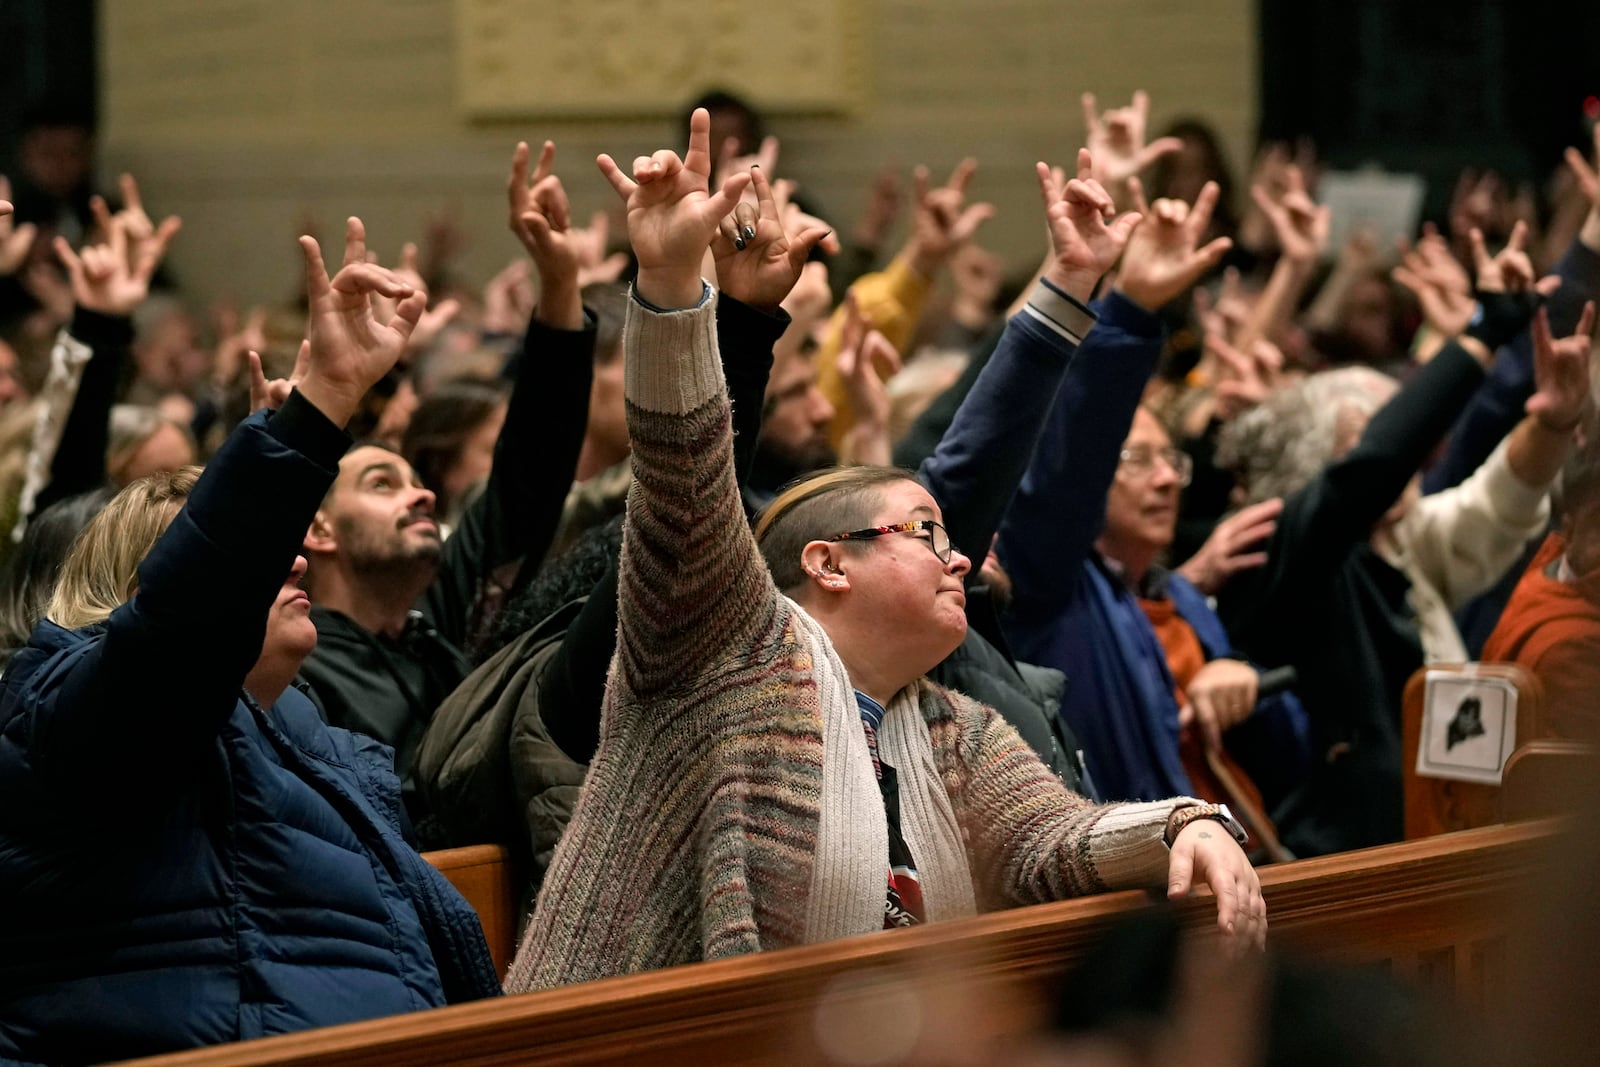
{"x":102,"y":571}
{"x":817,"y":505}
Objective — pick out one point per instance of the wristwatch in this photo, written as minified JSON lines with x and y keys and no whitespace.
{"x":1215,"y":812}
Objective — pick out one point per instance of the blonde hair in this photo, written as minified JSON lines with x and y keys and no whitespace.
{"x":130,"y":427}
{"x":102,"y":571}
{"x":828,"y":502}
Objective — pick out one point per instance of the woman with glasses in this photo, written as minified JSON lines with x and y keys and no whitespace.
{"x":1155,"y":684}
{"x":773,"y":768}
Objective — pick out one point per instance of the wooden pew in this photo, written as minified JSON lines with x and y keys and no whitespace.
{"x":1548,"y":777}
{"x":1439,"y":909}
{"x":482,"y":874}
{"x":1437,"y":805}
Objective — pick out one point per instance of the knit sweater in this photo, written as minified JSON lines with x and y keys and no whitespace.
{"x":710,"y":823}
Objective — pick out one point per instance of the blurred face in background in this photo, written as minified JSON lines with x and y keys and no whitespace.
{"x":795,"y":426}
{"x":56,"y":160}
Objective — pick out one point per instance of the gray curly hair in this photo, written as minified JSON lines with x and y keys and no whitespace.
{"x":1279,"y":446}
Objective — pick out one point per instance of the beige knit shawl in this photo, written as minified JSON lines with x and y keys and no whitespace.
{"x":850,"y":874}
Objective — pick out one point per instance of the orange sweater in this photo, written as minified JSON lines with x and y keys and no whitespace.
{"x":1552,"y":628}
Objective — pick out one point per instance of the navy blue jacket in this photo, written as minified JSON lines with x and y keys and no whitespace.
{"x":1070,"y":611}
{"x":179,"y":867}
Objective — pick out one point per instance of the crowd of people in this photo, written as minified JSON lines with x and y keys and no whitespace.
{"x":753,"y":583}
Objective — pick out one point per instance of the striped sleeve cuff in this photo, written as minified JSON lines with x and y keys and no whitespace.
{"x":1059,"y":313}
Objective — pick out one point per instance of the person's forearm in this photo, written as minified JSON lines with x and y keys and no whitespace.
{"x":79,"y":463}
{"x":560,"y":304}
{"x":1059,"y":507}
{"x":1323,"y":314}
{"x":1396,"y":443}
{"x":1496,"y":407}
{"x":1276,"y":304}
{"x":1536,"y":451}
{"x":691,"y":583}
{"x":746,"y":338}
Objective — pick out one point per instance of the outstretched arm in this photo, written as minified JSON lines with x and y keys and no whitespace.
{"x":1033,"y":841}
{"x":983,"y":454}
{"x":1497,"y":407}
{"x":109,"y":282}
{"x":691,"y":582}
{"x":755,"y":279}
{"x":942,"y":222}
{"x":1059,"y":508}
{"x":1465,"y":537}
{"x":224,"y":559}
{"x":504,"y":536}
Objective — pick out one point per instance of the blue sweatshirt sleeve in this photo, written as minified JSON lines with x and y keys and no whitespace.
{"x":1497,"y":406}
{"x":1058,"y":510}
{"x":982,"y":455}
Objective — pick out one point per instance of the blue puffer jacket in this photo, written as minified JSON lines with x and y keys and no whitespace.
{"x":178,"y":866}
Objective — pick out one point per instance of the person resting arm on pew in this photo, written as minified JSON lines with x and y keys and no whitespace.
{"x":776,"y":771}
{"x":189,"y":855}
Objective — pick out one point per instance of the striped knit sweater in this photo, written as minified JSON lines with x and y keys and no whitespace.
{"x":696,"y":833}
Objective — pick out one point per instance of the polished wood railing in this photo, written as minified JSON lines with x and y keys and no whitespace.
{"x":1439,"y":910}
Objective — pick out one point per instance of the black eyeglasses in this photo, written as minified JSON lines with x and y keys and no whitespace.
{"x":938,"y":539}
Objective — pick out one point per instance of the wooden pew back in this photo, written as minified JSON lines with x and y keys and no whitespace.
{"x":1548,"y":777}
{"x":1439,"y":910}
{"x":1437,"y":805}
{"x":482,"y":874}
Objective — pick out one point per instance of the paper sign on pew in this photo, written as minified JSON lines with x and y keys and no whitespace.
{"x":1469,"y":727}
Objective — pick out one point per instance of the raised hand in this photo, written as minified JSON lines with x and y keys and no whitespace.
{"x":673,"y":215}
{"x":541,"y":218}
{"x":1116,"y":140}
{"x":1221,"y":695}
{"x":508,"y":299}
{"x":1083,"y":244}
{"x":235,"y":340}
{"x":1298,"y":222}
{"x":1164,"y":257}
{"x":883,"y":207}
{"x":1509,"y":270}
{"x":1439,"y":282}
{"x":1233,"y":546}
{"x":435,"y":318}
{"x":114,"y":278}
{"x":866,"y":359}
{"x":272,"y":394}
{"x":942,"y":220}
{"x":1561,"y":372}
{"x":15,"y":241}
{"x":757,"y":262}
{"x":1244,"y":379}
{"x":729,"y":161}
{"x":351,"y":348}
